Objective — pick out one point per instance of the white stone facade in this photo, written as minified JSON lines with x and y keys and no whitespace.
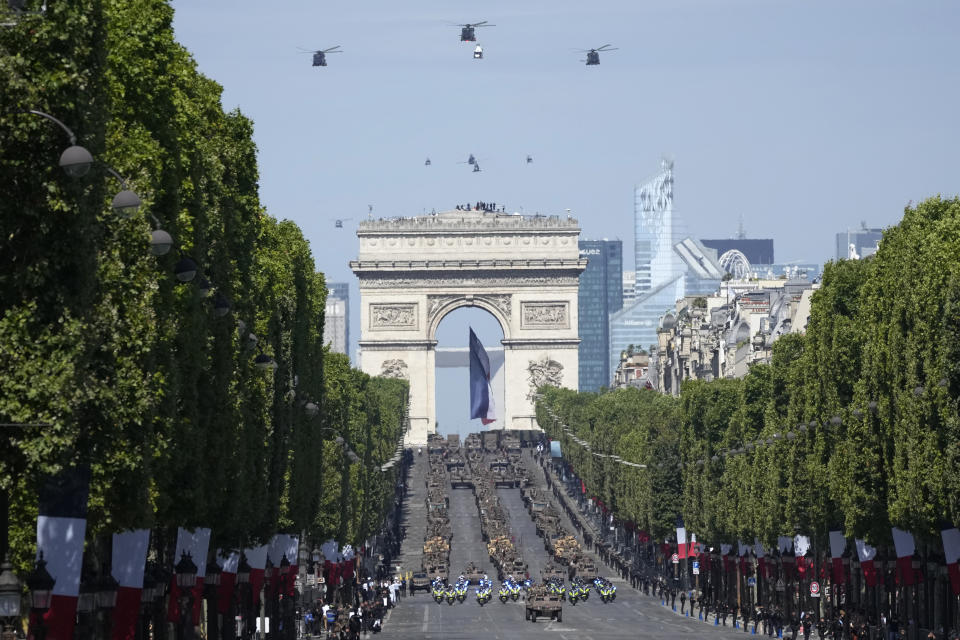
{"x":524,"y":270}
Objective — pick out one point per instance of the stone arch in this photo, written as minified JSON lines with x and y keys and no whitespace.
{"x":453,"y":302}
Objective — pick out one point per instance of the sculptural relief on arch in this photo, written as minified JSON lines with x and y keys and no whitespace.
{"x":524,"y":270}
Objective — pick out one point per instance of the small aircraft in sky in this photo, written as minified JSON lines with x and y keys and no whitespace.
{"x":320,"y":56}
{"x":467,"y":33}
{"x":593,"y":55}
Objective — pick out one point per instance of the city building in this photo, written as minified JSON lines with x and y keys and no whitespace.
{"x":659,"y":268}
{"x":629,"y":287}
{"x":756,"y":250}
{"x":722,"y":335}
{"x":601,"y":294}
{"x":336,"y":325}
{"x":858,"y":243}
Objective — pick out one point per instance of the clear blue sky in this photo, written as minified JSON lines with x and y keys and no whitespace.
{"x":804,"y":117}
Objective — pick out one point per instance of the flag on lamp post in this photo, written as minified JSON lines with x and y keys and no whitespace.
{"x":129,"y":561}
{"x":61,"y":528}
{"x":866,"y":554}
{"x":951,"y":551}
{"x":838,"y":544}
{"x":481,"y":393}
{"x":195,"y":544}
{"x":905,"y":546}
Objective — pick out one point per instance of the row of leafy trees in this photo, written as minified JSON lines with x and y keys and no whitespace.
{"x":111,"y":362}
{"x":858,"y":417}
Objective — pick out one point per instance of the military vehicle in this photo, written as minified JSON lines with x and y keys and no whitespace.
{"x":543,"y":604}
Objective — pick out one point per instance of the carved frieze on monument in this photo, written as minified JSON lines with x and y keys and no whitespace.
{"x":394,"y":368}
{"x":550,"y":315}
{"x":393,"y":316}
{"x":436,"y":303}
{"x":541,"y":372}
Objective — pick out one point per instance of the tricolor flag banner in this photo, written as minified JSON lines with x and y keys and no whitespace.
{"x":866,"y":554}
{"x":785,"y":544}
{"x":195,"y":544}
{"x":481,"y":393}
{"x":951,"y":551}
{"x":728,"y":563}
{"x":257,"y":559}
{"x":761,"y":554}
{"x":229,"y":562}
{"x":838,"y":544}
{"x":129,"y":560}
{"x":903,"y":542}
{"x":61,"y":527}
{"x":681,"y":539}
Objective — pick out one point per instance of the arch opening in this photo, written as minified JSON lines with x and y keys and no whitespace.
{"x":452,"y":368}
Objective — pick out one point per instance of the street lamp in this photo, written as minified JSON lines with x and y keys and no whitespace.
{"x":186,"y":572}
{"x":185,"y":269}
{"x":40,"y":583}
{"x":126,"y":203}
{"x":75,"y":160}
{"x":211,"y":585}
{"x":265,"y":362}
{"x":221,"y":305}
{"x":9,"y":598}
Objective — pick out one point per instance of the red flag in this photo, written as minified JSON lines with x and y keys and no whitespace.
{"x":838,"y":544}
{"x":195,"y":544}
{"x":229,"y":564}
{"x":257,"y":559}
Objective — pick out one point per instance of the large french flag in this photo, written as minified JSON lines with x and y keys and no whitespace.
{"x":838,"y":544}
{"x":866,"y":554}
{"x":481,"y":393}
{"x":61,"y":528}
{"x":129,"y":559}
{"x":905,"y":546}
{"x":681,"y":539}
{"x":229,"y":562}
{"x":194,"y":543}
{"x":257,"y":559}
{"x":282,"y":545}
{"x":951,"y":551}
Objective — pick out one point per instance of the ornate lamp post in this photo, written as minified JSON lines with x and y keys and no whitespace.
{"x":186,"y":572}
{"x":106,"y":601}
{"x":40,"y":583}
{"x":211,"y":588}
{"x":285,"y":601}
{"x":9,"y":599}
{"x":243,"y":597}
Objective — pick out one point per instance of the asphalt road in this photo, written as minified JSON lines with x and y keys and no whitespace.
{"x":632,"y":615}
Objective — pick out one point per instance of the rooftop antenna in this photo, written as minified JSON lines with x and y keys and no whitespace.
{"x":741,"y":234}
{"x":369,"y":210}
{"x":568,"y":214}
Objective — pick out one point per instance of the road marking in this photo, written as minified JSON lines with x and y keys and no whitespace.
{"x":426,"y":618}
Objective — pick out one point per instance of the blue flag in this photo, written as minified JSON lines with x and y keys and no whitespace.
{"x":481,"y":395}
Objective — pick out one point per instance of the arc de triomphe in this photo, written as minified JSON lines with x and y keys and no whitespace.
{"x":524,"y":270}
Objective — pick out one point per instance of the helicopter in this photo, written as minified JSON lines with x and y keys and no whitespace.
{"x":593,"y":55}
{"x":320,"y":56}
{"x":467,"y":33}
{"x":427,"y":163}
{"x":338,"y":223}
{"x":529,"y":159}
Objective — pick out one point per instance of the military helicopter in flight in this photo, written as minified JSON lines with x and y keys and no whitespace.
{"x":593,"y":55}
{"x":320,"y":56}
{"x":338,"y":223}
{"x":467,"y":33}
{"x":427,"y":163}
{"x":529,"y":159}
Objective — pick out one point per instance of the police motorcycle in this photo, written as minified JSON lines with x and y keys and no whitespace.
{"x":451,"y":593}
{"x":461,"y":589}
{"x":578,"y":591}
{"x":504,"y":593}
{"x":607,"y":590}
{"x":484,"y":594}
{"x":438,"y":590}
{"x":557,"y":587}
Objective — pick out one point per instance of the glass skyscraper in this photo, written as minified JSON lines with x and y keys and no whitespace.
{"x":601,"y":295}
{"x":660,"y":272}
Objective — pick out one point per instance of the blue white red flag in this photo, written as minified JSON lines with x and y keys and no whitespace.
{"x":481,"y":394}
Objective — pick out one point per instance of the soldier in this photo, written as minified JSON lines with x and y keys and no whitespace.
{"x":673,"y":599}
{"x":794,"y":628}
{"x":722,"y":611}
{"x":683,"y":602}
{"x":745,"y":616}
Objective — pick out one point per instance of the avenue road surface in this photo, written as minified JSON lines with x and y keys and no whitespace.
{"x":632,"y":615}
